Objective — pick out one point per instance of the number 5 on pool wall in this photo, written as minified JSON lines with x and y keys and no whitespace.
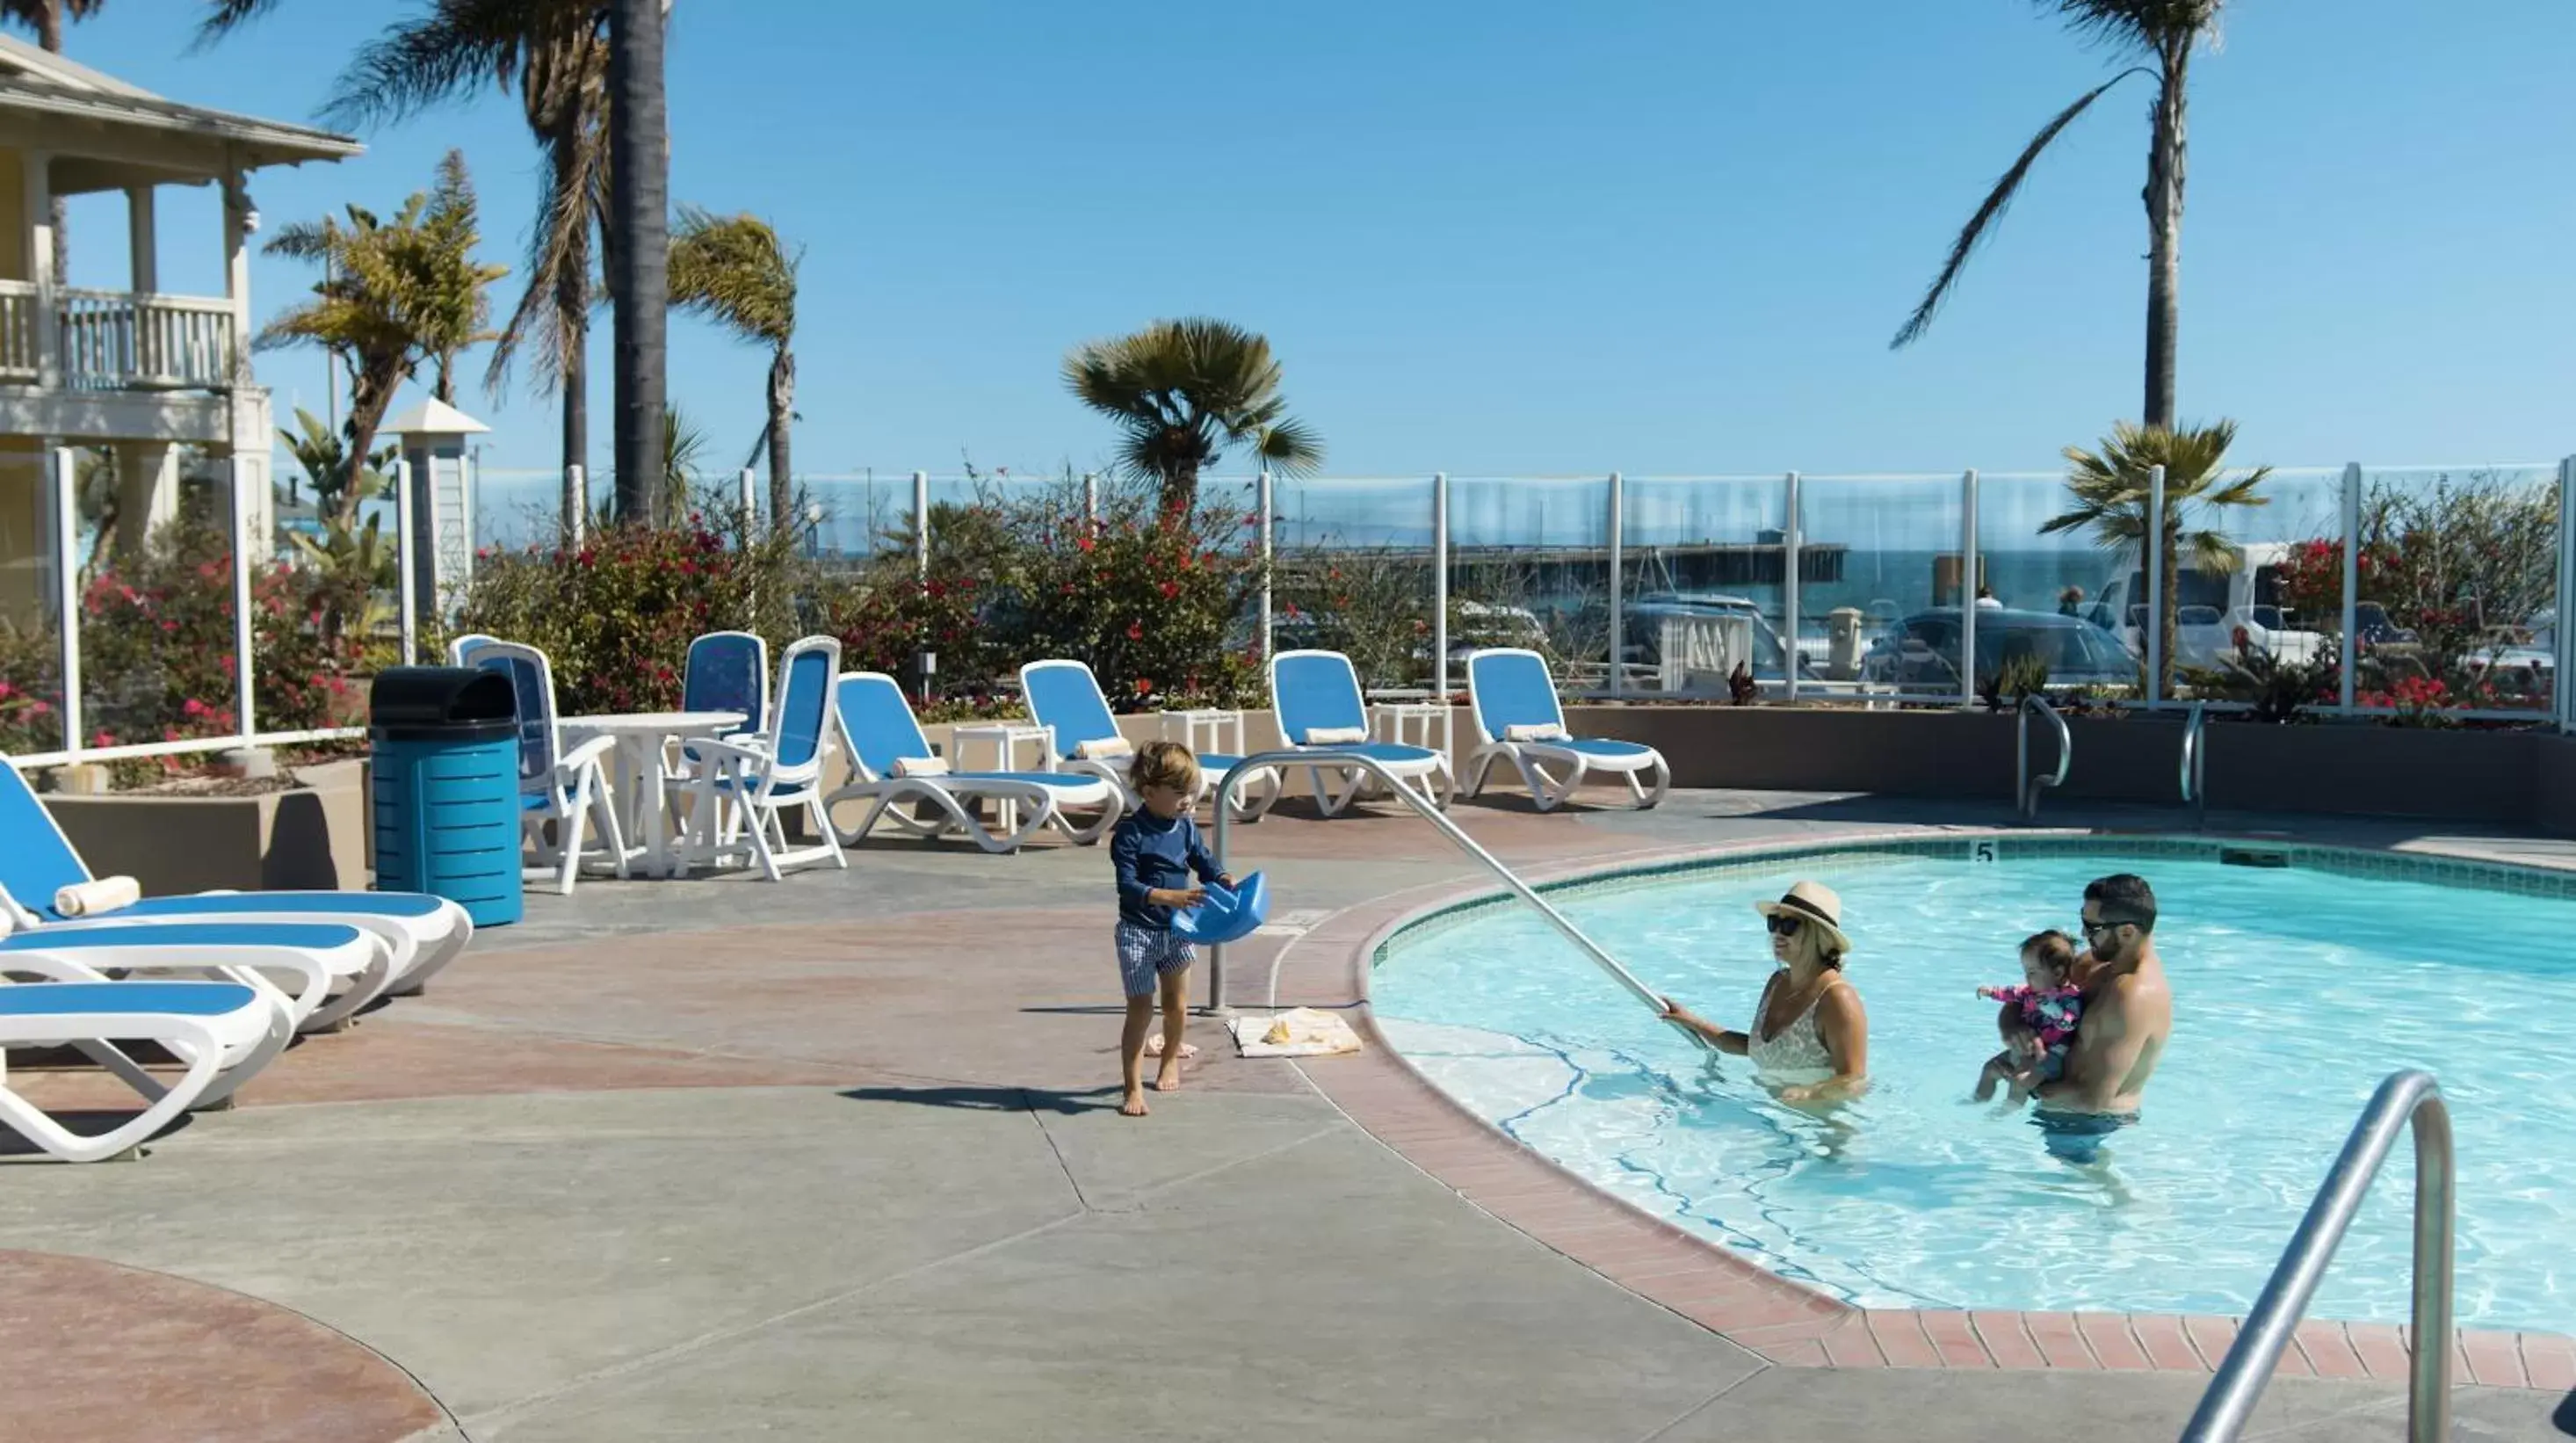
{"x":1982,"y":850}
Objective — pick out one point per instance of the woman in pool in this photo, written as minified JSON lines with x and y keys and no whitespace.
{"x":1810,"y":1037}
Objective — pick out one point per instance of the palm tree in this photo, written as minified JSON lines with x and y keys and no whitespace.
{"x":1183,"y":392}
{"x":2111,"y":490}
{"x":635,"y":236}
{"x":393,"y":294}
{"x":556,"y":55}
{"x":46,"y":18}
{"x":734,"y":270}
{"x":683,"y":445}
{"x":2164,"y":32}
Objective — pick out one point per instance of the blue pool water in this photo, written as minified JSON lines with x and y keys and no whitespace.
{"x":2296,"y":991}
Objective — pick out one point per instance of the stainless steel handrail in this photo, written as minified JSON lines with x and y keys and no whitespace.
{"x":2026,"y":784}
{"x":2406,"y":1098}
{"x":2195,"y":762}
{"x":1293,"y":757}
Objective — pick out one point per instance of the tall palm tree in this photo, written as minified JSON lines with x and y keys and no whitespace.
{"x":555,"y":53}
{"x":635,"y":237}
{"x":456,"y":294}
{"x":46,"y":18}
{"x":393,"y":294}
{"x":734,"y":270}
{"x":2111,"y":492}
{"x":2164,"y":33}
{"x":1185,"y":391}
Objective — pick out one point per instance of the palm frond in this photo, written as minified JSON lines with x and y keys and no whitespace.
{"x":2138,"y":26}
{"x":223,"y":17}
{"x":735,"y":271}
{"x":1996,"y":203}
{"x":453,"y":47}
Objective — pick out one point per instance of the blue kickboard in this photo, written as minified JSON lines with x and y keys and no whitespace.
{"x":1226,"y":916}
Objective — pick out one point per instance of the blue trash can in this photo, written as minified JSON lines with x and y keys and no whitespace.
{"x":446,"y":775}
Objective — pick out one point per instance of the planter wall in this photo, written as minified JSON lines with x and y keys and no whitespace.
{"x":311,"y":838}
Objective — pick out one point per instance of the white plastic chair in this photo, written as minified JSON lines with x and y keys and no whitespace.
{"x":1519,"y":720}
{"x":1316,"y":695}
{"x":780,"y":769}
{"x":224,"y":1032}
{"x":565,"y":791}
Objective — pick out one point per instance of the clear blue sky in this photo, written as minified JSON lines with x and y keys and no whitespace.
{"x":1662,"y":236}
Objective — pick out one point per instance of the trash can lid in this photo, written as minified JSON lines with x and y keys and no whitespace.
{"x":441,"y":703}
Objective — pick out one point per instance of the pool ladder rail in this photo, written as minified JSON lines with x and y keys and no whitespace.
{"x":2195,"y":765}
{"x":1361,"y":761}
{"x":2028,"y":784}
{"x":2407,"y":1099}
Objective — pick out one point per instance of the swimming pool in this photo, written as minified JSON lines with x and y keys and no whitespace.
{"x":2297,"y":989}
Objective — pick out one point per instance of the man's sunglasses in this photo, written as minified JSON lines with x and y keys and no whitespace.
{"x":2107,"y":925}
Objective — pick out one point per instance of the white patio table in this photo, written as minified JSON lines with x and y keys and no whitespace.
{"x":642,"y":775}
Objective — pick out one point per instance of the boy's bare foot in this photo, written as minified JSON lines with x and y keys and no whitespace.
{"x":1168,"y":1078}
{"x":1132,"y":1105}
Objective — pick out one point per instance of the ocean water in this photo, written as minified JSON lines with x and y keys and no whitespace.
{"x":2296,"y":993}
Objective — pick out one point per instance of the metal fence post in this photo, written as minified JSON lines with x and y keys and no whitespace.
{"x":2351,"y":644}
{"x":67,"y":585}
{"x":1440,"y":588}
{"x":1970,"y":574}
{"x":1789,"y":582}
{"x":1618,"y":627}
{"x":2155,"y":587}
{"x":749,"y":500}
{"x":2560,"y":633}
{"x":242,"y":658}
{"x":576,"y":517}
{"x":405,"y":562}
{"x":921,"y":526}
{"x":1261,"y":508}
{"x":1091,"y":498}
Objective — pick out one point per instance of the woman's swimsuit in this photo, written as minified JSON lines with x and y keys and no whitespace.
{"x":1797,"y":1054}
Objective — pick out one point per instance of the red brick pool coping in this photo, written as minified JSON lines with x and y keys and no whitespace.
{"x":1748,"y":1305}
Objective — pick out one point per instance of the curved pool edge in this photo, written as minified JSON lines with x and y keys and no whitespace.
{"x":1773,"y":1317}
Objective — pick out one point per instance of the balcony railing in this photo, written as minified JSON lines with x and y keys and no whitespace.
{"x":118,"y":340}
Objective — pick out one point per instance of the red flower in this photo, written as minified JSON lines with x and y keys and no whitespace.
{"x":1135,"y":631}
{"x":1144,"y":686}
{"x":1085,"y":543}
{"x":1171,"y":589}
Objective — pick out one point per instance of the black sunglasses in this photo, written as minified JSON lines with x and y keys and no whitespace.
{"x":2107,"y":924}
{"x":1784,"y":926}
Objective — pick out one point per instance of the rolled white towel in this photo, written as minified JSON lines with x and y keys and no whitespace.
{"x":1103,"y":748}
{"x":1335,"y":736}
{"x":921,"y":766}
{"x":106,"y":894}
{"x":1534,"y":732}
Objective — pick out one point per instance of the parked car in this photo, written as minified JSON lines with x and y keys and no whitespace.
{"x":1924,"y":651}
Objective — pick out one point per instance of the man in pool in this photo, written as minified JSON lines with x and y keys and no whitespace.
{"x":2128,"y":1015}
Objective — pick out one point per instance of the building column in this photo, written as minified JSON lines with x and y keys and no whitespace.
{"x":147,"y":492}
{"x":142,"y":236}
{"x":240,"y":219}
{"x":37,"y":201}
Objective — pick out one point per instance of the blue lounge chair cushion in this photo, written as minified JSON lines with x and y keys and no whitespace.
{"x":168,"y":999}
{"x":1055,"y":780}
{"x":1392,"y":753}
{"x":1513,"y":689}
{"x":320,"y":904}
{"x":1599,"y":747}
{"x":1227,"y":915}
{"x":1067,"y":698}
{"x":305,"y":936}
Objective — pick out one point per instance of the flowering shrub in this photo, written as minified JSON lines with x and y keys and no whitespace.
{"x":1148,"y":599}
{"x":2413,"y":701}
{"x":615,"y":615}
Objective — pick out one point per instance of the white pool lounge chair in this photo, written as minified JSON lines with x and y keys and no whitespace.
{"x":1065,"y":697}
{"x":224,"y":1033}
{"x":563,"y":792}
{"x":767,"y":775}
{"x":335,"y":968}
{"x":1317,"y":697}
{"x":1518,"y":720}
{"x":422,"y":933}
{"x":886,"y":746}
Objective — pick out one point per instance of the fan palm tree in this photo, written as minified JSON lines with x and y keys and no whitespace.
{"x":734,"y":270}
{"x":635,"y":237}
{"x":46,"y":17}
{"x":555,"y":54}
{"x":1185,"y":391}
{"x":2164,"y":33}
{"x":393,"y":294}
{"x":2111,"y":492}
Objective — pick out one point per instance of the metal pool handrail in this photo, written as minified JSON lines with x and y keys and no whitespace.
{"x":1361,"y":761}
{"x":2407,"y":1098}
{"x":2195,"y":763}
{"x":2027,"y":784}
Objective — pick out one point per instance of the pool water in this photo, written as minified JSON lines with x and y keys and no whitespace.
{"x":2296,"y":991}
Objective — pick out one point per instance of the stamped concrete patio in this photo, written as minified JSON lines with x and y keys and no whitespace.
{"x":839,"y":1159}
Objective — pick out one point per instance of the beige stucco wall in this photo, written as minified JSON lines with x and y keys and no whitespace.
{"x":13,"y":217}
{"x":26,"y":547}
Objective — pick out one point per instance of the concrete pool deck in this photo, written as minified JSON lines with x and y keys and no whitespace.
{"x":839,"y":1158}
